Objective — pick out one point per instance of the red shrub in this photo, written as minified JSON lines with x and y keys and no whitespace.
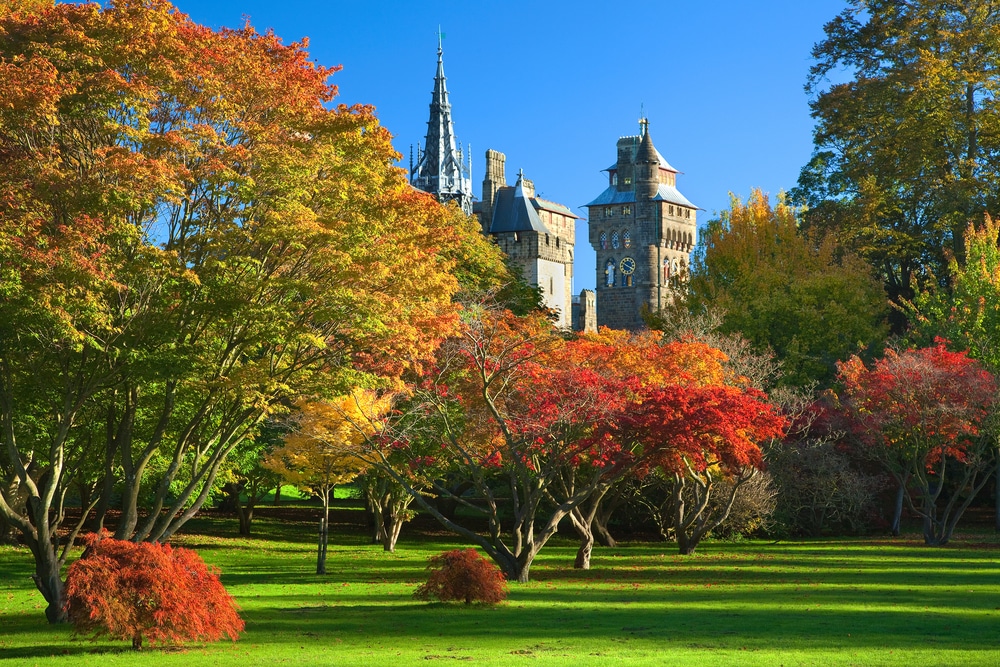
{"x":148,"y":591}
{"x":463,"y":574}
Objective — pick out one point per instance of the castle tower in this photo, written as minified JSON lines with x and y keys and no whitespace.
{"x":440,"y":169}
{"x":643,"y":230}
{"x":496,"y":178}
{"x":536,"y":234}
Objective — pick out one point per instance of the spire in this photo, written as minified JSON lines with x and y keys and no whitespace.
{"x":440,"y":168}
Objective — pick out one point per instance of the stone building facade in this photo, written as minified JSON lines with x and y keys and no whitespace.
{"x":643,"y":230}
{"x":538,"y":235}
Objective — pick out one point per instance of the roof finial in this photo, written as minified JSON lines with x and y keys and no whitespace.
{"x":643,"y":121}
{"x":440,"y":39}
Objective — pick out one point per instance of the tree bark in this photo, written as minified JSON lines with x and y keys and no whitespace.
{"x":897,"y":515}
{"x":323,"y":534}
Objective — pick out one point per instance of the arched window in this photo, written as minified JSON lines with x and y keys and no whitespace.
{"x":627,"y":239}
{"x":609,"y":273}
{"x":604,"y":240}
{"x":615,"y":243}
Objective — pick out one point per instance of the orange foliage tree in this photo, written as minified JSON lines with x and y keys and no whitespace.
{"x":191,"y":237}
{"x":148,"y":591}
{"x":462,"y":574}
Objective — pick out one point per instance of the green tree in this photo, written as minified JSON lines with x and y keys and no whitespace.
{"x":800,"y":295}
{"x":908,"y":148}
{"x":190,"y":239}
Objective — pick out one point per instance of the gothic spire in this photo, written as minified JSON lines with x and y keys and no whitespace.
{"x":440,"y":168}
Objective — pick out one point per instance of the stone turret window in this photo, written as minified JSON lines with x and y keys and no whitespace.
{"x":614,"y":179}
{"x":628,"y":180}
{"x":609,"y":211}
{"x":627,"y":239}
{"x":626,"y":210}
{"x":604,"y":241}
{"x":615,"y":243}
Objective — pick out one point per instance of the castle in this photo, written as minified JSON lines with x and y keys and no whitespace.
{"x":642,"y":228}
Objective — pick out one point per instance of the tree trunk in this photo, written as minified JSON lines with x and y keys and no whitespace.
{"x":323,"y":534}
{"x":897,"y":515}
{"x":582,"y":561}
{"x":137,"y":641}
{"x":245,"y":516}
{"x":277,"y":495}
{"x":600,"y":528}
{"x":47,"y":579}
{"x":996,"y":496}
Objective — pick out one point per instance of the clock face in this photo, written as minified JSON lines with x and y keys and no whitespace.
{"x":627,"y":266}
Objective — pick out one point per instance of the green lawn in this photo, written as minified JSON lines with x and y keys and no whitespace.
{"x":825,"y":602}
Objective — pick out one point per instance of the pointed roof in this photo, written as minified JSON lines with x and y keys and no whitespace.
{"x":513,"y":212}
{"x":440,"y":169}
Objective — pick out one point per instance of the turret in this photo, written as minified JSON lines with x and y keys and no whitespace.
{"x":647,"y":165}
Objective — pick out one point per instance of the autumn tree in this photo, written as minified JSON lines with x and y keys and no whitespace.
{"x":966,"y":312}
{"x":699,"y":435}
{"x":502,"y":412}
{"x":796,"y":293}
{"x":322,"y":450}
{"x":906,"y":147}
{"x":140,"y":592}
{"x":192,"y":237}
{"x":920,"y":412}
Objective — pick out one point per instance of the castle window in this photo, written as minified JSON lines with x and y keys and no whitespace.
{"x":614,"y":178}
{"x":627,"y":239}
{"x":546,"y":239}
{"x":628,"y":180}
{"x":604,"y":241}
{"x":615,"y":243}
{"x":557,"y":241}
{"x":608,"y":212}
{"x":671,"y":210}
{"x":517,"y":237}
{"x":626,"y":210}
{"x":687,"y":213}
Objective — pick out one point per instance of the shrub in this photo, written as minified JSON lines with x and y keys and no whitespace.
{"x":463,"y":574}
{"x":148,"y":591}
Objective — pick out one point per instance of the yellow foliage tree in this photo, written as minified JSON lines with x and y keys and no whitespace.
{"x":323,"y":449}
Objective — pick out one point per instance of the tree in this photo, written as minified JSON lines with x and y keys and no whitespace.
{"x":920,"y":412}
{"x":323,"y":450}
{"x":796,"y":293}
{"x":149,"y":592}
{"x":501,"y":409}
{"x":191,"y":239}
{"x":464,"y":575}
{"x":699,"y":435}
{"x":966,"y":312}
{"x":906,"y":149}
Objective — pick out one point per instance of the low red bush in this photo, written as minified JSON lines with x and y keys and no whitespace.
{"x":463,"y":574}
{"x":148,"y":591}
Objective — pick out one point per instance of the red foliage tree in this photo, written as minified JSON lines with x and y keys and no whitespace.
{"x":697,"y":435}
{"x":463,"y":574}
{"x":917,"y":411}
{"x":138,"y":591}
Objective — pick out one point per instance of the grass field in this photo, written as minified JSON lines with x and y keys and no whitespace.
{"x":843,"y":602}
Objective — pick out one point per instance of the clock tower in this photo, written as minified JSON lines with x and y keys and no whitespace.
{"x":643,"y":230}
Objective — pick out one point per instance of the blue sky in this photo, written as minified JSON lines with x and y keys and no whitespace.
{"x":554,"y":84}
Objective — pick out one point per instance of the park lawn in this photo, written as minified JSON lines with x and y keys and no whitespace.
{"x":823,"y":602}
